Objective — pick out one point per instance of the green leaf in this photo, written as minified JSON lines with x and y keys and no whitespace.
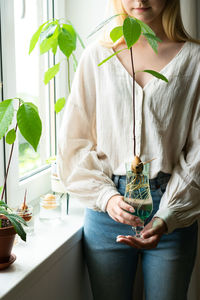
{"x":11,"y":136}
{"x":33,"y":106}
{"x":116,"y":33}
{"x":101,"y":25}
{"x":54,"y":47}
{"x":1,"y":190}
{"x":3,"y":211}
{"x":67,"y":40}
{"x":51,"y":72}
{"x":48,"y":31}
{"x":153,"y":41}
{"x":18,"y":227}
{"x":60,"y":103}
{"x":148,"y":33}
{"x":80,"y":40}
{"x":156,"y":74}
{"x":18,"y":218}
{"x":131,"y":31}
{"x":49,"y":38}
{"x":78,"y":36}
{"x":151,"y":36}
{"x":29,"y":124}
{"x":2,"y":203}
{"x":109,"y":57}
{"x":75,"y":62}
{"x":35,"y":38}
{"x":6,"y":116}
{"x":145,"y":28}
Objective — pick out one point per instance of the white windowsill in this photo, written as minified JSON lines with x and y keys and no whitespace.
{"x":49,"y":243}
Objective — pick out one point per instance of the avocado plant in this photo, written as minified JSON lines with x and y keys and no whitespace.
{"x":130,"y":32}
{"x":30,"y":126}
{"x":52,"y":35}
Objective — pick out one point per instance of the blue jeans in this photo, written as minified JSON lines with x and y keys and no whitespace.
{"x":112,"y":266}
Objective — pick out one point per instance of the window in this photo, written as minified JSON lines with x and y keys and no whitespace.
{"x":23,"y":77}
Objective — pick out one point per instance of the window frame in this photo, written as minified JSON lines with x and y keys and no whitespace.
{"x":38,"y":182}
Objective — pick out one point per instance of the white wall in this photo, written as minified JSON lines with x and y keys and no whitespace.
{"x":190,"y":16}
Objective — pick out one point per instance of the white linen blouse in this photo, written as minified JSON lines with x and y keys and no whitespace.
{"x":96,"y":136}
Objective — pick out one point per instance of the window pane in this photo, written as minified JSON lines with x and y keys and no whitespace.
{"x":29,"y":78}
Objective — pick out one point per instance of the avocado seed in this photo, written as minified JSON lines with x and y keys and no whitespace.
{"x":137,"y":165}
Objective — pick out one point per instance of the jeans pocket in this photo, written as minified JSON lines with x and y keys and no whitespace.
{"x":162,"y":189}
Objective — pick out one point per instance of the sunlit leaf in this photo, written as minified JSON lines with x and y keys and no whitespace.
{"x":67,"y":40}
{"x":109,"y":57}
{"x":75,"y":62}
{"x":78,"y":36}
{"x":49,"y":39}
{"x":6,"y":115}
{"x":54,"y":46}
{"x":29,"y":124}
{"x":101,"y":25}
{"x":116,"y":33}
{"x":33,"y":106}
{"x":131,"y":31}
{"x":156,"y":74}
{"x":48,"y":31}
{"x":51,"y":72}
{"x":60,"y":103}
{"x":35,"y":38}
{"x":11,"y":136}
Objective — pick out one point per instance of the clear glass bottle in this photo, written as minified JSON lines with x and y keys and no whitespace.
{"x":138,"y":194}
{"x":27,"y":214}
{"x":50,"y":206}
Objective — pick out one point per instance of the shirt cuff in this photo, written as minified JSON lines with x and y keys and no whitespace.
{"x":167,"y":215}
{"x":104,"y":196}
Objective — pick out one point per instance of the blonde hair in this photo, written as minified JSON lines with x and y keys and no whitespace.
{"x":171,"y":20}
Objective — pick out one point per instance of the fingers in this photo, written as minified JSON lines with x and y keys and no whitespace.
{"x":139,"y":243}
{"x":120,"y":211}
{"x":156,"y":226}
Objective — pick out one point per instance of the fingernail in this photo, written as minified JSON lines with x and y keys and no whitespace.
{"x":137,"y":220}
{"x":131,"y":209}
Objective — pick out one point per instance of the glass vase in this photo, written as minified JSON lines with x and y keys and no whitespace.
{"x":138,"y":195}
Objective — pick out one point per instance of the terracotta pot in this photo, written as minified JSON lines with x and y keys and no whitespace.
{"x":7,"y":236}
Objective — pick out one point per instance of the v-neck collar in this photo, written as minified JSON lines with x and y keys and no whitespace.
{"x":162,"y":71}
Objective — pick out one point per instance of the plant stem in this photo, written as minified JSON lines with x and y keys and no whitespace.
{"x":7,"y":170}
{"x":133,"y":71}
{"x":9,"y":161}
{"x":68,"y":75}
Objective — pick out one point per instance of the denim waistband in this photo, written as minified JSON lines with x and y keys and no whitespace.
{"x":155,"y":183}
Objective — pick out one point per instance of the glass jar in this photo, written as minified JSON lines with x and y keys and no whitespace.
{"x":27,"y":214}
{"x":50,"y":207}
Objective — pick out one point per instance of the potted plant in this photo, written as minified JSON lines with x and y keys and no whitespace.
{"x":29,"y":124}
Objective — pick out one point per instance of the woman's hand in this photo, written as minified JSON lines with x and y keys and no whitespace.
{"x":151,"y":235}
{"x":120,"y":211}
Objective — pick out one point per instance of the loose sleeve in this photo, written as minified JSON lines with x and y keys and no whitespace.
{"x":83,"y":169}
{"x":180,"y":204}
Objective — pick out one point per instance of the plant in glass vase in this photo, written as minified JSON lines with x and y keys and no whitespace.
{"x":30,"y":126}
{"x":137,"y":191}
